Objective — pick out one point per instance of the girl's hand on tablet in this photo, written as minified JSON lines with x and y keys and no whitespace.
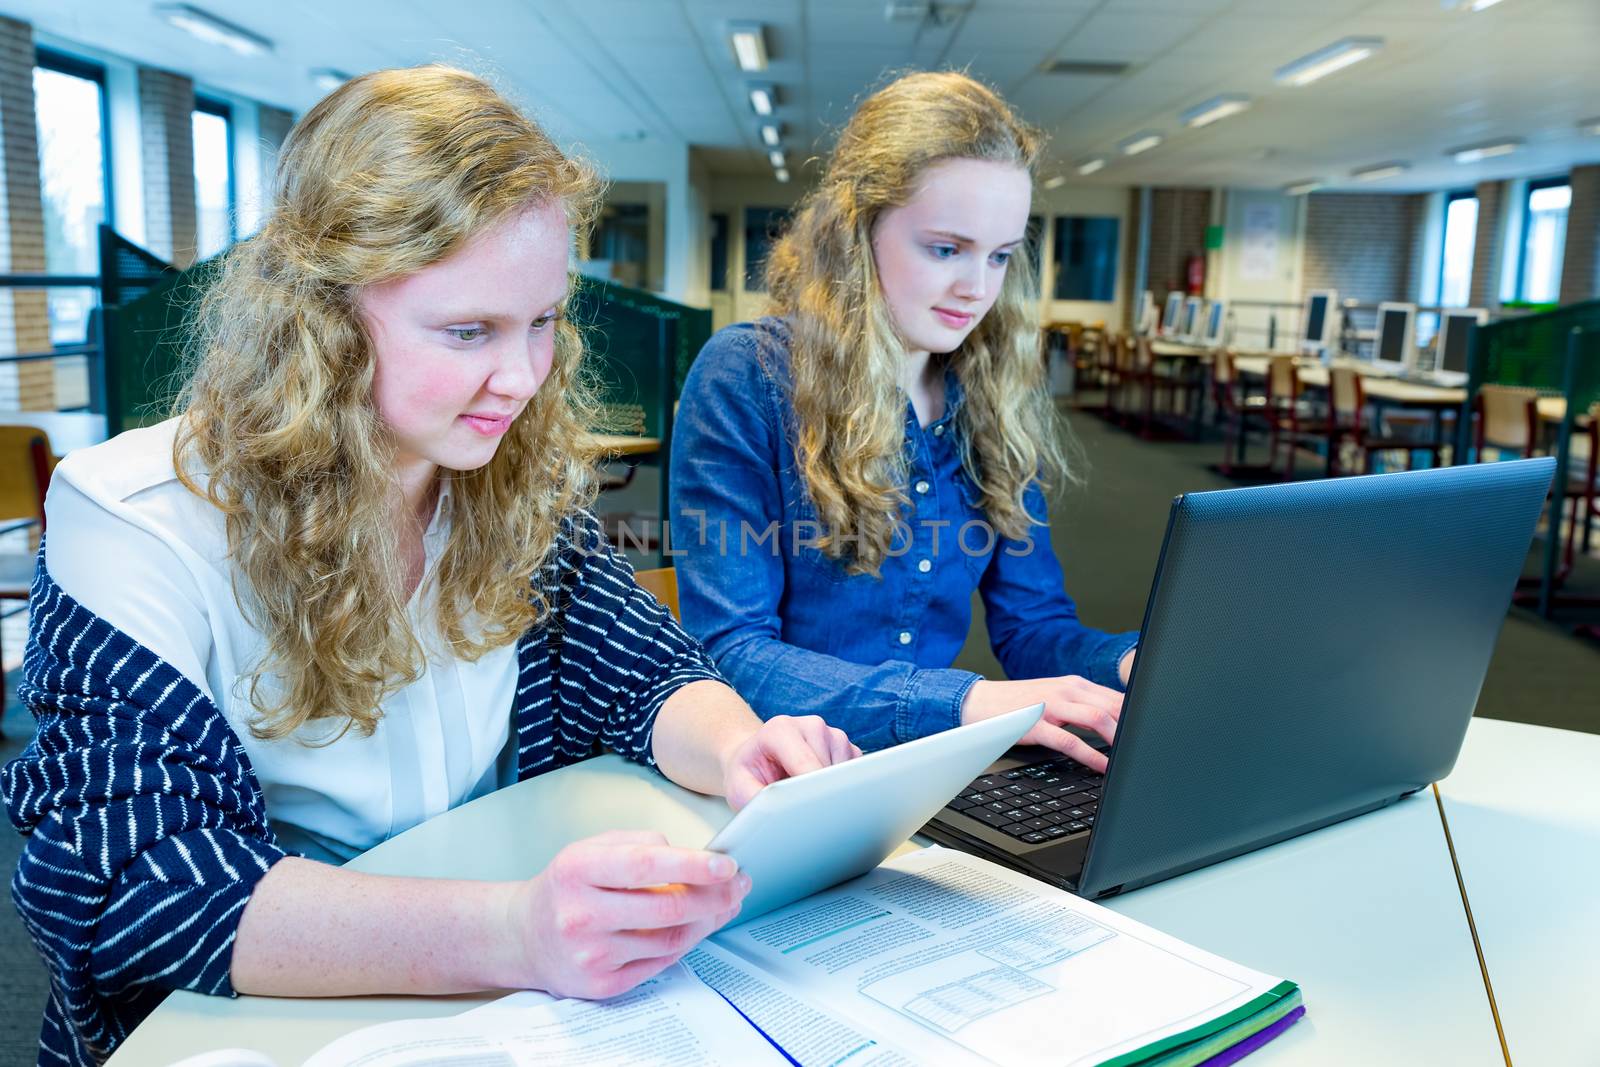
{"x":782,"y":748}
{"x":612,"y":910}
{"x":1068,"y":701}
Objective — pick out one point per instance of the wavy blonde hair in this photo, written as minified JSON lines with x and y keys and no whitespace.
{"x":394,"y":171}
{"x":846,"y":355}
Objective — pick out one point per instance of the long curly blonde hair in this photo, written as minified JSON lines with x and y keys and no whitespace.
{"x":846,"y":355}
{"x":391,"y":173}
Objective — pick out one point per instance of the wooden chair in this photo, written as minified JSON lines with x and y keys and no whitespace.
{"x":26,"y":463}
{"x":1350,"y":424}
{"x":1236,"y":411}
{"x":1507,"y":420}
{"x":661,"y":583}
{"x":1293,"y":422}
{"x":1116,"y":361}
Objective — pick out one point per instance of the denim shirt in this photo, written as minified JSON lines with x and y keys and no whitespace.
{"x":796,"y":634}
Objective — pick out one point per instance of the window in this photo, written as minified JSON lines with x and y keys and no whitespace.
{"x":213,"y":177}
{"x":1544,"y":240}
{"x":1455,"y":260}
{"x":1460,"y":237}
{"x":762,"y":225}
{"x":1086,"y":258}
{"x":74,"y":182}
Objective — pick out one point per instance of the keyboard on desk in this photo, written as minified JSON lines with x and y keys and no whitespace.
{"x":1037,"y":803}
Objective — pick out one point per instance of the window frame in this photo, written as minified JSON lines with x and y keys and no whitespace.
{"x":223,"y":110}
{"x":72,"y":66}
{"x":1533,"y":186}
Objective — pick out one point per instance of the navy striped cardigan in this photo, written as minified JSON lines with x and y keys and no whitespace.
{"x":146,"y":825}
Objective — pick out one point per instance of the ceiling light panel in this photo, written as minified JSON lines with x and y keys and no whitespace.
{"x":1139,"y":142}
{"x":1310,"y":185}
{"x":1487,"y":150}
{"x":1089,"y":166}
{"x":1325,"y":61}
{"x":1379,"y":171}
{"x":212,"y":30}
{"x":1215,"y":110}
{"x":749,"y":43}
{"x":763,"y":99}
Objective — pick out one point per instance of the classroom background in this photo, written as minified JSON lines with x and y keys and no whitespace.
{"x":1274,"y":238}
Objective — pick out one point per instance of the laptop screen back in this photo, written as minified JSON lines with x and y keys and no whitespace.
{"x":1310,"y":651}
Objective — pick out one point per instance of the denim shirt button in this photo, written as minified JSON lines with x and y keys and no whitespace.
{"x":923,"y":486}
{"x":905,"y":637}
{"x":925,"y":566}
{"x":938,"y":431}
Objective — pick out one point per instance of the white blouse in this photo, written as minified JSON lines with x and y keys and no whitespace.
{"x":130,"y":543}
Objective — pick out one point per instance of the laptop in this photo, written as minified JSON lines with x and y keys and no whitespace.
{"x":1310,"y":652}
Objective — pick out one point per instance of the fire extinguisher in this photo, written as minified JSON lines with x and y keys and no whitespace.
{"x":1195,"y":270}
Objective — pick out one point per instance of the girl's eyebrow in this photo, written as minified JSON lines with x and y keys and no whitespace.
{"x":961,"y":239}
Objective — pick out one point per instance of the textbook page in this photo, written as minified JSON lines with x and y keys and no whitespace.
{"x":809,"y":1035}
{"x":937,"y":946}
{"x":671,"y":1020}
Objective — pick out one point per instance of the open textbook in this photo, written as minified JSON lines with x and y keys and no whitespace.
{"x":936,"y":957}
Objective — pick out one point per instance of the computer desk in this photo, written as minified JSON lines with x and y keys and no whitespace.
{"x":1523,"y":808}
{"x":1365,"y":915}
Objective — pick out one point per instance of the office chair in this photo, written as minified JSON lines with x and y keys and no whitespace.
{"x":26,"y":463}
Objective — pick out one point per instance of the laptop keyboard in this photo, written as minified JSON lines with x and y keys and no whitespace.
{"x":1036,"y":803}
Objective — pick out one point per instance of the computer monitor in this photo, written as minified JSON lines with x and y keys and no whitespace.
{"x":1144,"y":324}
{"x":1216,"y":322}
{"x":1395,"y":349}
{"x":1169,"y":316}
{"x":1454,"y":342}
{"x":1316,"y":320}
{"x":1191,"y":317}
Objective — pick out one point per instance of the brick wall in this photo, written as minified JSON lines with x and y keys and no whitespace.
{"x":166,"y":109}
{"x":1486,"y":248}
{"x":275,"y":125}
{"x":1580,"y":265}
{"x":24,"y":314}
{"x":1364,"y":245}
{"x":1178,"y":221}
{"x":1130,"y":261}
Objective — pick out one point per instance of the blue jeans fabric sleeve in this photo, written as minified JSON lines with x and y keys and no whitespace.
{"x":736,"y":550}
{"x":789,"y":627}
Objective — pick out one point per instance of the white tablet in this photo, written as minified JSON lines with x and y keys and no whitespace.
{"x":802,"y":835}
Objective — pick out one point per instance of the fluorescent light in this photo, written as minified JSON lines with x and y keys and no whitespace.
{"x":1139,"y":142}
{"x":782,"y":174}
{"x":1055,"y":181}
{"x":1488,"y":150}
{"x":213,"y":30}
{"x":1324,"y":61}
{"x":1591,"y":126}
{"x":1470,"y":5}
{"x":1379,"y":171}
{"x":749,"y":45}
{"x":1214,"y":110}
{"x":327,"y":79}
{"x":771,"y":134}
{"x":763,"y":98}
{"x":776,"y":156}
{"x":1089,"y":166}
{"x":1310,"y":185}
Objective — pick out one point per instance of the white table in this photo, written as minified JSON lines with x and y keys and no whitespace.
{"x":1364,"y":915}
{"x":1523,"y":806}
